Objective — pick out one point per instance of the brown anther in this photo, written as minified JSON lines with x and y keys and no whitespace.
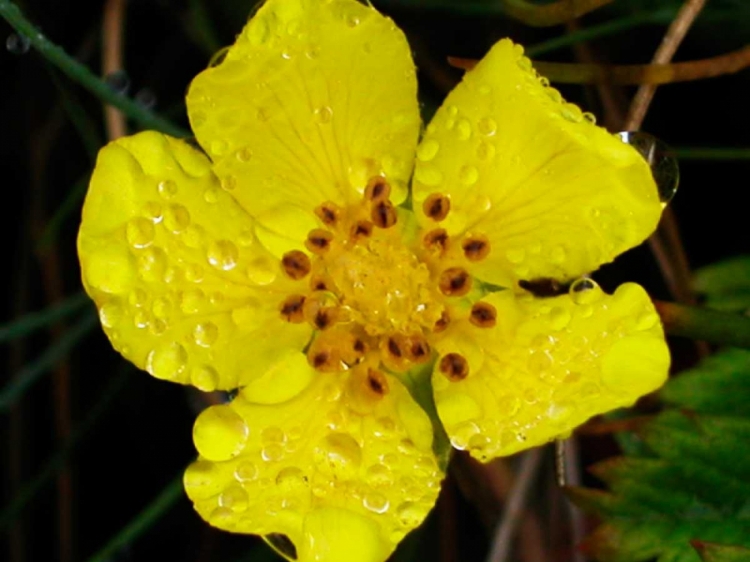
{"x":320,"y":359}
{"x":329,"y":213}
{"x":292,"y":309}
{"x":436,"y":240}
{"x":542,"y":287}
{"x":377,"y":382}
{"x":483,"y":315}
{"x":436,"y":206}
{"x":383,"y":214}
{"x":454,"y":366}
{"x":324,"y":318}
{"x":321,"y":283}
{"x":442,"y":322}
{"x":359,"y":346}
{"x":394,"y":348}
{"x":418,"y":350}
{"x":455,"y":282}
{"x":319,"y":241}
{"x":361,"y":229}
{"x":324,"y":357}
{"x":377,"y":189}
{"x":476,"y":248}
{"x":296,"y":264}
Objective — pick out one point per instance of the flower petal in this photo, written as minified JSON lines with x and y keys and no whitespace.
{"x":344,"y":468}
{"x":556,"y":195}
{"x":183,"y":288}
{"x":313,"y":100}
{"x":549,"y":365}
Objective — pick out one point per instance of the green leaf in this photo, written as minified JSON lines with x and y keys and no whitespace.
{"x":685,"y":495}
{"x":726,"y":284}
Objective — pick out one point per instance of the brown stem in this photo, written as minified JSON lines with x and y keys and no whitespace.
{"x":112,"y":61}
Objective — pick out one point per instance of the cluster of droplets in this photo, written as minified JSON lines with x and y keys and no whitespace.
{"x":336,"y":457}
{"x":551,"y":373}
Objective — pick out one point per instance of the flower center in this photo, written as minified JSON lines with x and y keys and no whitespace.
{"x":375,"y":294}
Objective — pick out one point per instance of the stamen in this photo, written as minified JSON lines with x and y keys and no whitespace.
{"x":483,"y":315}
{"x":394,"y":348}
{"x":476,"y":248}
{"x":322,"y":282}
{"x":360,"y":230}
{"x":455,"y":282}
{"x":383,"y":214}
{"x":418,"y":349}
{"x":324,"y":356}
{"x":377,"y":382}
{"x":542,"y":287}
{"x":377,"y":189}
{"x":292,"y":309}
{"x":454,"y":366}
{"x":296,"y":264}
{"x":436,"y":206}
{"x":443,"y":321}
{"x":319,"y":241}
{"x":329,"y":213}
{"x":436,"y":240}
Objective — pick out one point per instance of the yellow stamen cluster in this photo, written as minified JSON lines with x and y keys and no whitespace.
{"x":374,"y":299}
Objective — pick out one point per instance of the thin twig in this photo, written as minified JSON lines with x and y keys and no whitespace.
{"x":573,"y":478}
{"x":506,"y":529}
{"x":112,"y":61}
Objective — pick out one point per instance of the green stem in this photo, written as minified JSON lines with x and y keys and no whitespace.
{"x":79,"y":73}
{"x":142,"y":522}
{"x":31,"y":372}
{"x":724,"y":328}
{"x":36,"y":320}
{"x":691,"y":153}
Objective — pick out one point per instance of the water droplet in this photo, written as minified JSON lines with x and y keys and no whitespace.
{"x":152,"y":211}
{"x":246,"y":471}
{"x":202,"y":480}
{"x":118,"y":81}
{"x":193,"y":237}
{"x":244,"y":154}
{"x":584,"y":291}
{"x":427,"y":150}
{"x":228,"y":183}
{"x":110,"y":314}
{"x":151,"y":263}
{"x":223,"y":254}
{"x":246,"y":238}
{"x":646,"y":321}
{"x":234,"y":498}
{"x":487,"y":126}
{"x":340,"y":452}
{"x":176,"y":218}
{"x":139,"y":232}
{"x":539,"y":362}
{"x":219,"y":147}
{"x":167,"y":189}
{"x":17,"y":44}
{"x":261,"y":272}
{"x":379,"y":475}
{"x":272,"y":435}
{"x":167,"y":361}
{"x":205,"y":334}
{"x":161,"y":308}
{"x":462,"y":434}
{"x":463,"y":130}
{"x":290,"y":478}
{"x":410,"y":514}
{"x":211,"y":195}
{"x":352,"y":20}
{"x":571,"y":112}
{"x":559,"y":318}
{"x":141,"y":319}
{"x":376,"y":502}
{"x":219,"y":433}
{"x":272,"y":453}
{"x":428,"y":175}
{"x":590,"y":117}
{"x":191,"y":301}
{"x":146,"y":98}
{"x":485,"y":151}
{"x":452,"y":110}
{"x":468,"y":175}
{"x":524,"y":64}
{"x":218,"y":57}
{"x":661,"y":159}
{"x":323,"y":114}
{"x":204,"y":378}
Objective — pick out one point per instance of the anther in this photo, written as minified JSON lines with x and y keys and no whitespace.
{"x":454,"y":366}
{"x":442,"y":322}
{"x":318,"y":241}
{"x":476,"y":248}
{"x":329,"y":213}
{"x":321,"y":283}
{"x":455,"y":282}
{"x":436,"y":206}
{"x":418,"y":350}
{"x":483,"y":315}
{"x":324,"y":318}
{"x":383,"y":214}
{"x":377,"y":189}
{"x":296,"y":264}
{"x":360,"y":230}
{"x":377,"y":382}
{"x":323,"y":357}
{"x":394,"y":348}
{"x":292,"y":309}
{"x":542,"y":287}
{"x":436,"y":240}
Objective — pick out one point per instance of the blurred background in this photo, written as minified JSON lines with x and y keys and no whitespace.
{"x":93,"y":450}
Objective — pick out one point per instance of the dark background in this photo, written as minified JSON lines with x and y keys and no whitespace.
{"x":140,"y":439}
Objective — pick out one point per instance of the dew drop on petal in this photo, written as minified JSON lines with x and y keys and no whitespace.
{"x":463,"y":129}
{"x":428,"y":150}
{"x":204,"y":378}
{"x":323,"y":115}
{"x":340,"y":452}
{"x":234,"y":498}
{"x":468,"y":175}
{"x":584,"y":291}
{"x":246,"y":471}
{"x":167,"y":189}
{"x":110,"y":314}
{"x":375,"y":502}
{"x":219,"y":433}
{"x":205,"y":334}
{"x":410,"y":515}
{"x":167,"y":361}
{"x":661,"y":159}
{"x":487,"y":126}
{"x":223,"y":254}
{"x":176,"y":218}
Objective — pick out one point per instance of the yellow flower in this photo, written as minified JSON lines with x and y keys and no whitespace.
{"x":357,"y":309}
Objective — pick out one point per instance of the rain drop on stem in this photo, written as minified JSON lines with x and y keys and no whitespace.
{"x":146,"y":98}
{"x":660,"y":158}
{"x":17,"y":44}
{"x":118,"y":81}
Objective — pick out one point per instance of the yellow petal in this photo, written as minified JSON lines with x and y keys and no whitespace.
{"x":183,"y":288}
{"x":313,"y":100}
{"x":342,"y":470}
{"x":549,"y":365}
{"x":556,"y":195}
